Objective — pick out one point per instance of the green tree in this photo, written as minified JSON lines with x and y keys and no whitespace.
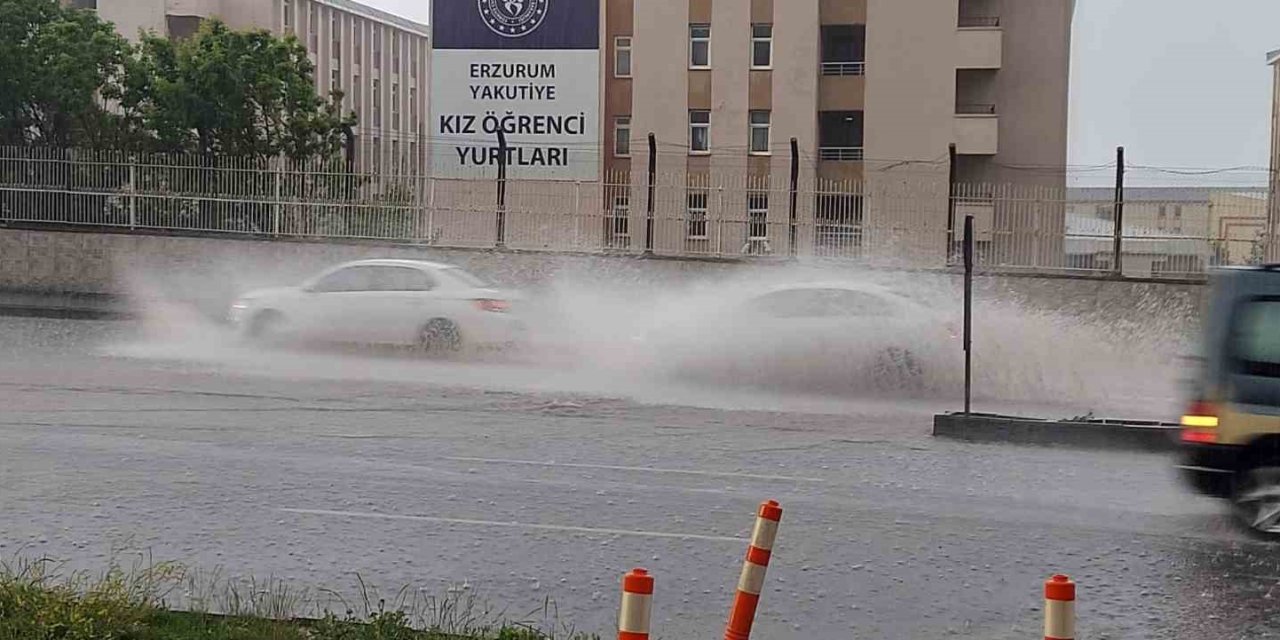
{"x":224,"y":93}
{"x":60,"y":70}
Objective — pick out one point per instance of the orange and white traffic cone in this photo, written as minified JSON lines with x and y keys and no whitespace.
{"x":1059,"y":608}
{"x":637,"y":605}
{"x":751,"y":582}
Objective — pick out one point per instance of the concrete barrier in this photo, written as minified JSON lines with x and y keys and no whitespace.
{"x":1118,"y":435}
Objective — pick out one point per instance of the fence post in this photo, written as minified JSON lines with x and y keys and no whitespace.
{"x":278,"y":161}
{"x":431,"y":210}
{"x":968,"y":314}
{"x":577,"y":215}
{"x":720,"y":220}
{"x":133,"y":193}
{"x":1118,"y":252}
{"x":795,"y":186}
{"x":653,"y":174}
{"x":951,"y":202}
{"x":502,"y":189}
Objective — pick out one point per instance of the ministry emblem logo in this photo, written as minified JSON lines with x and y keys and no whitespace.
{"x":513,"y":18}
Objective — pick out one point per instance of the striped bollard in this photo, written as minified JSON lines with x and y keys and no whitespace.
{"x":751,"y":582}
{"x":1059,"y":608}
{"x":637,"y":605}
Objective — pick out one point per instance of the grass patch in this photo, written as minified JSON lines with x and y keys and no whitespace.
{"x":40,"y":601}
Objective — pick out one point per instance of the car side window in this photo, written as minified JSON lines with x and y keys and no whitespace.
{"x":1256,"y":340}
{"x":348,"y":279}
{"x":404,"y":279}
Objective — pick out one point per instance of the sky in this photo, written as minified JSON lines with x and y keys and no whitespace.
{"x":1178,"y":83}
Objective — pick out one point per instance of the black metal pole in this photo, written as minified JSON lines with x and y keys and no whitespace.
{"x":968,"y":314}
{"x":653,"y":175}
{"x":951,"y":202}
{"x":795,"y":190}
{"x":502,"y":189}
{"x":1117,"y":255}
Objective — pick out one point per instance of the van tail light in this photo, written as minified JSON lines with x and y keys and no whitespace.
{"x":493,"y":306}
{"x":1200,"y":423}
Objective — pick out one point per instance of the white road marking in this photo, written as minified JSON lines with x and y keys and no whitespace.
{"x":511,"y":525}
{"x":689,"y":472}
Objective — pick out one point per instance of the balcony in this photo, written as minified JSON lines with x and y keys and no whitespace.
{"x":977,"y":130}
{"x":840,"y":154}
{"x":979,"y":43}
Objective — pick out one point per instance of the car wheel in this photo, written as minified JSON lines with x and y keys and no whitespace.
{"x":265,"y":326}
{"x":898,"y":369}
{"x":1257,"y":498}
{"x":440,"y":336}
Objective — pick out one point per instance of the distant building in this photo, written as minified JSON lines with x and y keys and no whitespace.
{"x":1167,"y":229}
{"x":377,"y":59}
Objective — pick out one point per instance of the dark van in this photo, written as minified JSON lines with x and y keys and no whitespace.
{"x":1231,"y":430}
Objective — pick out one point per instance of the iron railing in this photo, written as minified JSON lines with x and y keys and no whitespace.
{"x":891,"y":218}
{"x":844,"y":68}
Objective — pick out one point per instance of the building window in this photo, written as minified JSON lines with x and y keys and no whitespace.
{"x":396,"y":160}
{"x":840,"y":135}
{"x":91,"y":5}
{"x":622,"y":136}
{"x":313,"y":27}
{"x":395,"y":106}
{"x":699,"y":46}
{"x":377,"y":104}
{"x":844,"y":49}
{"x":761,"y":46}
{"x":622,"y":57}
{"x":413,"y":157}
{"x":757,"y":216}
{"x":395,"y":53}
{"x":700,"y":131}
{"x":413,"y":57}
{"x":377,"y":153}
{"x":413,"y":109}
{"x":355,"y":95}
{"x":617,"y":223}
{"x":356,"y":39}
{"x":377,"y":47}
{"x":335,"y":78}
{"x":760,"y":122}
{"x":697,"y":220}
{"x":288,"y":16}
{"x":335,"y":36}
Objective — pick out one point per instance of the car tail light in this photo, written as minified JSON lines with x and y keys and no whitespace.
{"x":493,"y":306}
{"x":1200,"y":423}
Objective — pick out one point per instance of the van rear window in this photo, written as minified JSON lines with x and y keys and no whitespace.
{"x":1256,"y":338}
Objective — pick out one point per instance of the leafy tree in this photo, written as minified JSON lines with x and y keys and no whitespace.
{"x":60,"y":69}
{"x":247,"y":94}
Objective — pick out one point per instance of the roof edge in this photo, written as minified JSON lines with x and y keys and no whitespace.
{"x":1273,"y":57}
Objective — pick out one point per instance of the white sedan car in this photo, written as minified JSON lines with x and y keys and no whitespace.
{"x":819,"y":330}
{"x":437,"y":307}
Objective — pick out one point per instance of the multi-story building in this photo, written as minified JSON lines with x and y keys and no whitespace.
{"x":378,"y":60}
{"x":870,"y":90}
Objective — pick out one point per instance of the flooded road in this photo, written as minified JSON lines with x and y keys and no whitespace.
{"x":527,"y":482}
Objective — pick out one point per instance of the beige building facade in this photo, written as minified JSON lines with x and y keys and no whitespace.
{"x":378,"y":60}
{"x":872,"y":91}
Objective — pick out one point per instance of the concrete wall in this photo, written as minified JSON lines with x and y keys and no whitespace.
{"x":209,"y":272}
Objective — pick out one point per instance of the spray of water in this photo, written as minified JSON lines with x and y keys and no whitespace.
{"x":683,"y":341}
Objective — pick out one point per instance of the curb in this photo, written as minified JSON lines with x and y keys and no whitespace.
{"x":31,"y":304}
{"x":1113,"y":435}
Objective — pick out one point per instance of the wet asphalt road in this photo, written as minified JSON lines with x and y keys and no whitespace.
{"x":336,"y":465}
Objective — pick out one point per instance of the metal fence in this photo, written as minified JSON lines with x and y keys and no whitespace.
{"x":890,"y":219}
